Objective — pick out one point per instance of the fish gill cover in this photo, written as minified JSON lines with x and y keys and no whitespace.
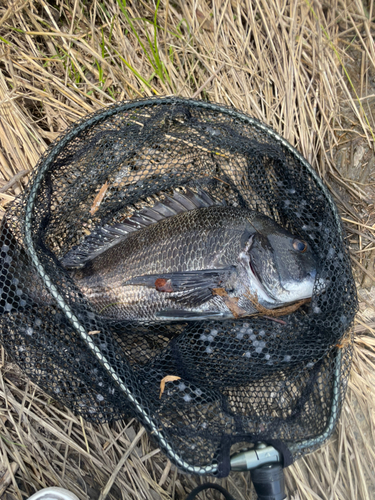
{"x":198,"y":386}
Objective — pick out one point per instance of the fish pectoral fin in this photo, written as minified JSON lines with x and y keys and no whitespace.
{"x":192,"y":298}
{"x":188,"y":288}
{"x":183,"y":315}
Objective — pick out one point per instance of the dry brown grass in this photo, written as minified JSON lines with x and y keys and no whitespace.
{"x":305,"y":68}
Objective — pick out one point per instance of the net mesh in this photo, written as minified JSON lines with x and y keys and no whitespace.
{"x":250,"y":379}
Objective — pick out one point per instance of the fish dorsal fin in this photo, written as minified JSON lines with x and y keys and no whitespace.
{"x":96,"y":243}
{"x":103,"y":238}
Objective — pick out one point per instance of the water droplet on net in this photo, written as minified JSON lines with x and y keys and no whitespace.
{"x":331,"y":253}
{"x":343,"y":319}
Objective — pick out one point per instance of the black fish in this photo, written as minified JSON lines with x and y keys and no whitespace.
{"x":191,"y":258}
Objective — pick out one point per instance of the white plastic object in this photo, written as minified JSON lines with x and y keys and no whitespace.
{"x":53,"y":493}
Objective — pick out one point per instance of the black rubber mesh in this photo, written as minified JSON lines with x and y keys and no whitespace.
{"x":249,"y":379}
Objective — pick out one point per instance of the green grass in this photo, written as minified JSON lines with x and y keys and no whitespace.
{"x":152,"y":51}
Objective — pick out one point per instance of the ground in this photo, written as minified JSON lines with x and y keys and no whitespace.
{"x":307,"y":70}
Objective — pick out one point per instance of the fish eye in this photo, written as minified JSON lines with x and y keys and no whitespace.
{"x":300,"y":245}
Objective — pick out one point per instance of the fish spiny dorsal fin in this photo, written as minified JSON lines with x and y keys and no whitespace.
{"x":103,"y":238}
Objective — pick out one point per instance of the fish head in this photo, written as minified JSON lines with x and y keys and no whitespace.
{"x":281,"y":266}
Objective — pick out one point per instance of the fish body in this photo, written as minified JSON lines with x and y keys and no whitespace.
{"x":167,"y":263}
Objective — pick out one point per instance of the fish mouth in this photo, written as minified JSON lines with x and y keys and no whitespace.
{"x":303,"y":290}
